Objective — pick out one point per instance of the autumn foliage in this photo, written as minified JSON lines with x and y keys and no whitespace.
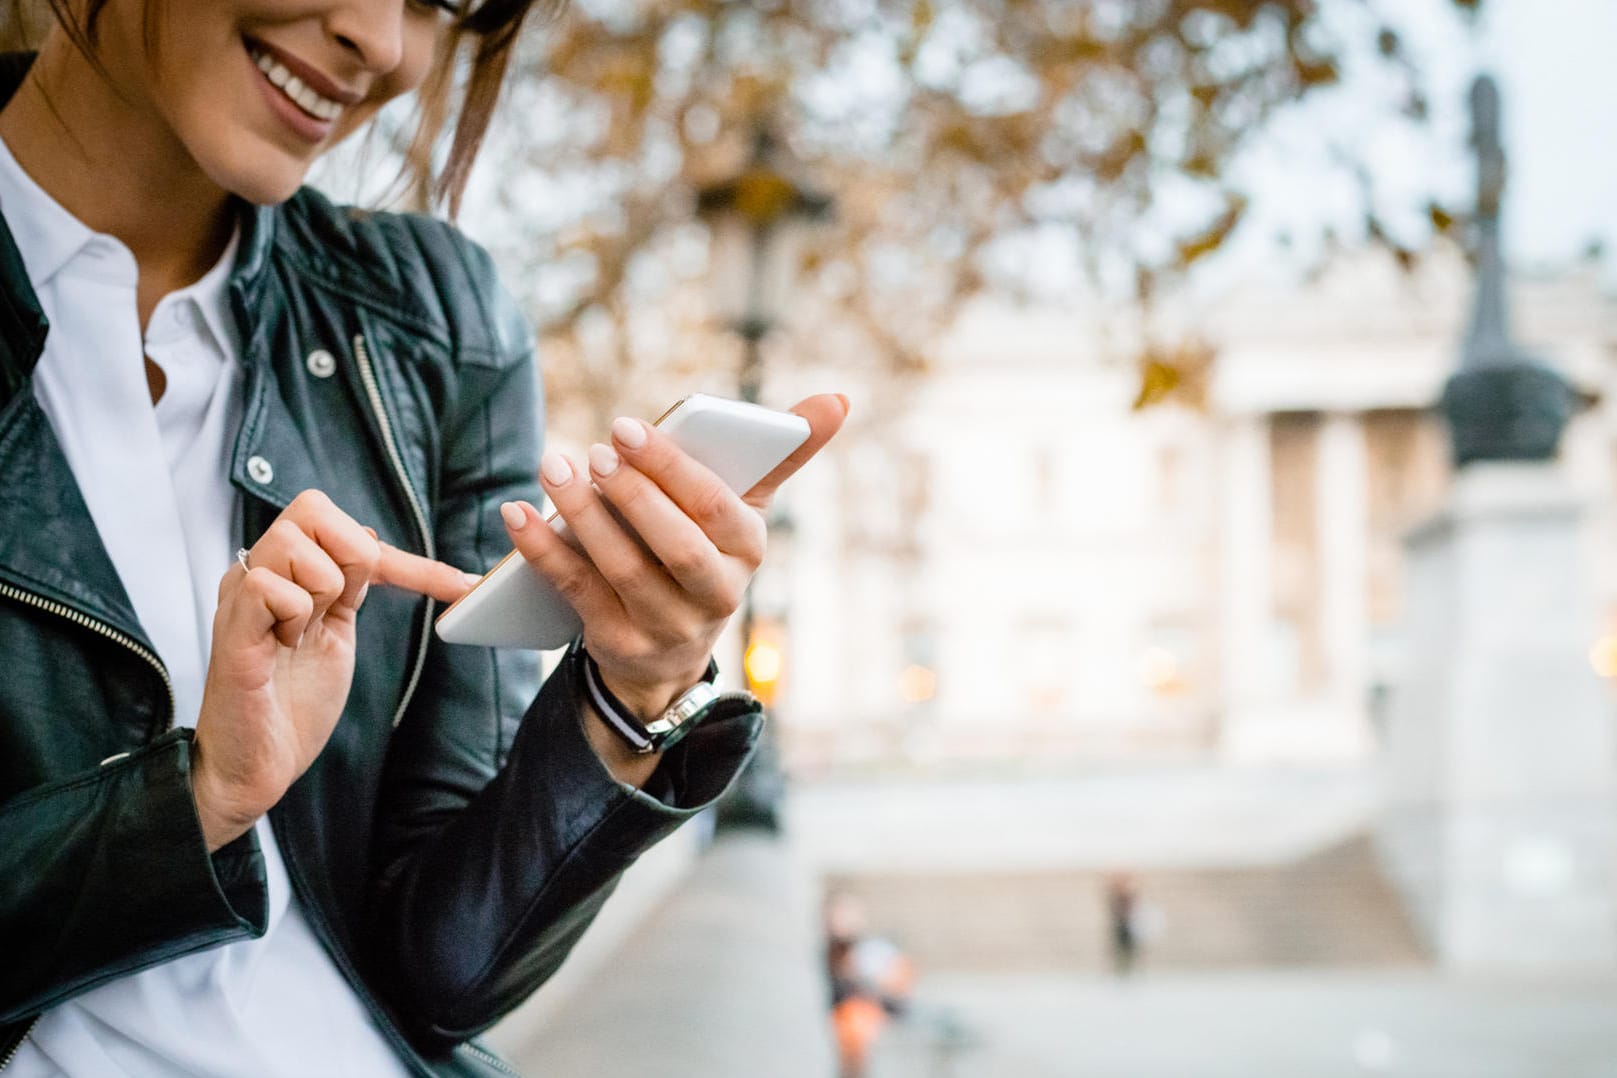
{"x":942,"y":128}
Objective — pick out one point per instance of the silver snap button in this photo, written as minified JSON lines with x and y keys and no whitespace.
{"x":260,"y":469}
{"x":321,"y":363}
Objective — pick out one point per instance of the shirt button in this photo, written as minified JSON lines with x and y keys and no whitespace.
{"x":321,"y":363}
{"x":259,"y":469}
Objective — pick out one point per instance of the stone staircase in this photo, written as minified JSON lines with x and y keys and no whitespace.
{"x":1330,"y":908}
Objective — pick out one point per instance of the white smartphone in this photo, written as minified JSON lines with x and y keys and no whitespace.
{"x":514,"y":606}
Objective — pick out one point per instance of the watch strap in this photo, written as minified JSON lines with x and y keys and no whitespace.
{"x":667,"y":728}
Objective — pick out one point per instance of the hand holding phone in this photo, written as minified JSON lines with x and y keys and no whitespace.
{"x":515,"y":606}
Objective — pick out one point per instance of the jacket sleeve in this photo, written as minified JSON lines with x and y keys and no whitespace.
{"x":71,"y":916}
{"x":501,"y":832}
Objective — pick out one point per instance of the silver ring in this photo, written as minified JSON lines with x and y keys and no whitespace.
{"x":241,"y":560}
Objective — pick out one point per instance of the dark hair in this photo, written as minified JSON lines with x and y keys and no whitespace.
{"x":483,"y":32}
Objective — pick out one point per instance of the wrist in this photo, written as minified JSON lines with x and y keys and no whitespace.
{"x":220,"y":821}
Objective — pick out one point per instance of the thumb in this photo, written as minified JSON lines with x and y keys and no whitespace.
{"x":825,"y":413}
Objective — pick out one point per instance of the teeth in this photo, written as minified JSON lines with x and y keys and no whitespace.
{"x":321,"y":108}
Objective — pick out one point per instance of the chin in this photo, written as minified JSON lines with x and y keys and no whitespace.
{"x":265,"y":185}
{"x":262,"y":193}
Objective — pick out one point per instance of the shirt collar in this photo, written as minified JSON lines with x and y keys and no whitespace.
{"x":209,"y":296}
{"x":49,"y":238}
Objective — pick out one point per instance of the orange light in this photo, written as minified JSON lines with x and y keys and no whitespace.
{"x":1603,"y":657}
{"x":1161,"y":672}
{"x":917,"y":684}
{"x":763,"y":662}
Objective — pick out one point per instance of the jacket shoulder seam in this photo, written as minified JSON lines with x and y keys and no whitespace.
{"x":356,"y":281}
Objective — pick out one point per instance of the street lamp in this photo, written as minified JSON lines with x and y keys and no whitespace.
{"x":759,"y":219}
{"x":1502,"y":404}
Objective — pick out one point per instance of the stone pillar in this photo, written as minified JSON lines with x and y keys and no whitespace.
{"x":1246,"y":592}
{"x":1501,"y":769}
{"x":1342,"y":501}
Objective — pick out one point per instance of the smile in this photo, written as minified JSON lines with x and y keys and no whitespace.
{"x":294,"y":88}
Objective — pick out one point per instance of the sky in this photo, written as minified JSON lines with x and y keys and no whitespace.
{"x":1557,"y":74}
{"x":1557,"y":64}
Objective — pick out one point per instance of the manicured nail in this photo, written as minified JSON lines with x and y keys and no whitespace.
{"x":471,"y":579}
{"x":843,"y":397}
{"x":603,"y":459}
{"x":364,"y":590}
{"x":630,"y":432}
{"x":515,"y":518}
{"x":557,"y":469}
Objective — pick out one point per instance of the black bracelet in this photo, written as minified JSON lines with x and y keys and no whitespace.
{"x":617,"y":714}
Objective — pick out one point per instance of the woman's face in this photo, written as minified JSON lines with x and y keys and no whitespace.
{"x":255,"y":90}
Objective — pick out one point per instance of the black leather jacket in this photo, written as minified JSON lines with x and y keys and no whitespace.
{"x":457,"y":834}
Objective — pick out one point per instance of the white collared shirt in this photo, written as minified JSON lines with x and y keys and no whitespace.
{"x":155,"y":479}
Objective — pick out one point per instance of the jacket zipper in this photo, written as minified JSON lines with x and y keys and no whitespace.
{"x":101,"y":628}
{"x":491,"y":1059}
{"x":85,"y":621}
{"x":6,"y":1062}
{"x":368,"y":375}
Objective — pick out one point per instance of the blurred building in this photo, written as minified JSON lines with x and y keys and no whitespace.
{"x":1016,"y":564}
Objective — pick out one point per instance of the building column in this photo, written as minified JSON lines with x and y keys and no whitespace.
{"x":1246,"y":590}
{"x":1342,"y":527}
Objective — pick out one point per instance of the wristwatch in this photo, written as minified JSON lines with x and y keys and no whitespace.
{"x":667,"y":729}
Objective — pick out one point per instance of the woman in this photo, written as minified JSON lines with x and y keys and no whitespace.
{"x":254,"y":818}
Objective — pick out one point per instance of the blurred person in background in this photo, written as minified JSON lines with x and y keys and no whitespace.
{"x":254,"y":818}
{"x":872,"y":982}
{"x":1123,"y":920}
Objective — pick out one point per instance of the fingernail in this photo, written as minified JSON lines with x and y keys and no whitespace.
{"x":630,"y":432}
{"x":515,"y":518}
{"x":364,"y":590}
{"x":603,"y":459}
{"x":472,"y":579}
{"x":843,"y":397}
{"x":556,"y":468}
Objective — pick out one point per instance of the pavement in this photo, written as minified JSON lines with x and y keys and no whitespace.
{"x":997,"y":863}
{"x":1258,"y":1024}
{"x":994,"y":884}
{"x":721,"y":980}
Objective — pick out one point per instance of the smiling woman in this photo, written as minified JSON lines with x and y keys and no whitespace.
{"x":255,"y":819}
{"x":431,"y":40}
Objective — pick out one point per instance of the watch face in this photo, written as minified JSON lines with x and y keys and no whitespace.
{"x":684,"y":714}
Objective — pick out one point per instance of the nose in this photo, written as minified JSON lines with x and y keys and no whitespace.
{"x":371,"y":30}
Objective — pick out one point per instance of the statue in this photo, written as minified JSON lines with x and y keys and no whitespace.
{"x":1502,"y":405}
